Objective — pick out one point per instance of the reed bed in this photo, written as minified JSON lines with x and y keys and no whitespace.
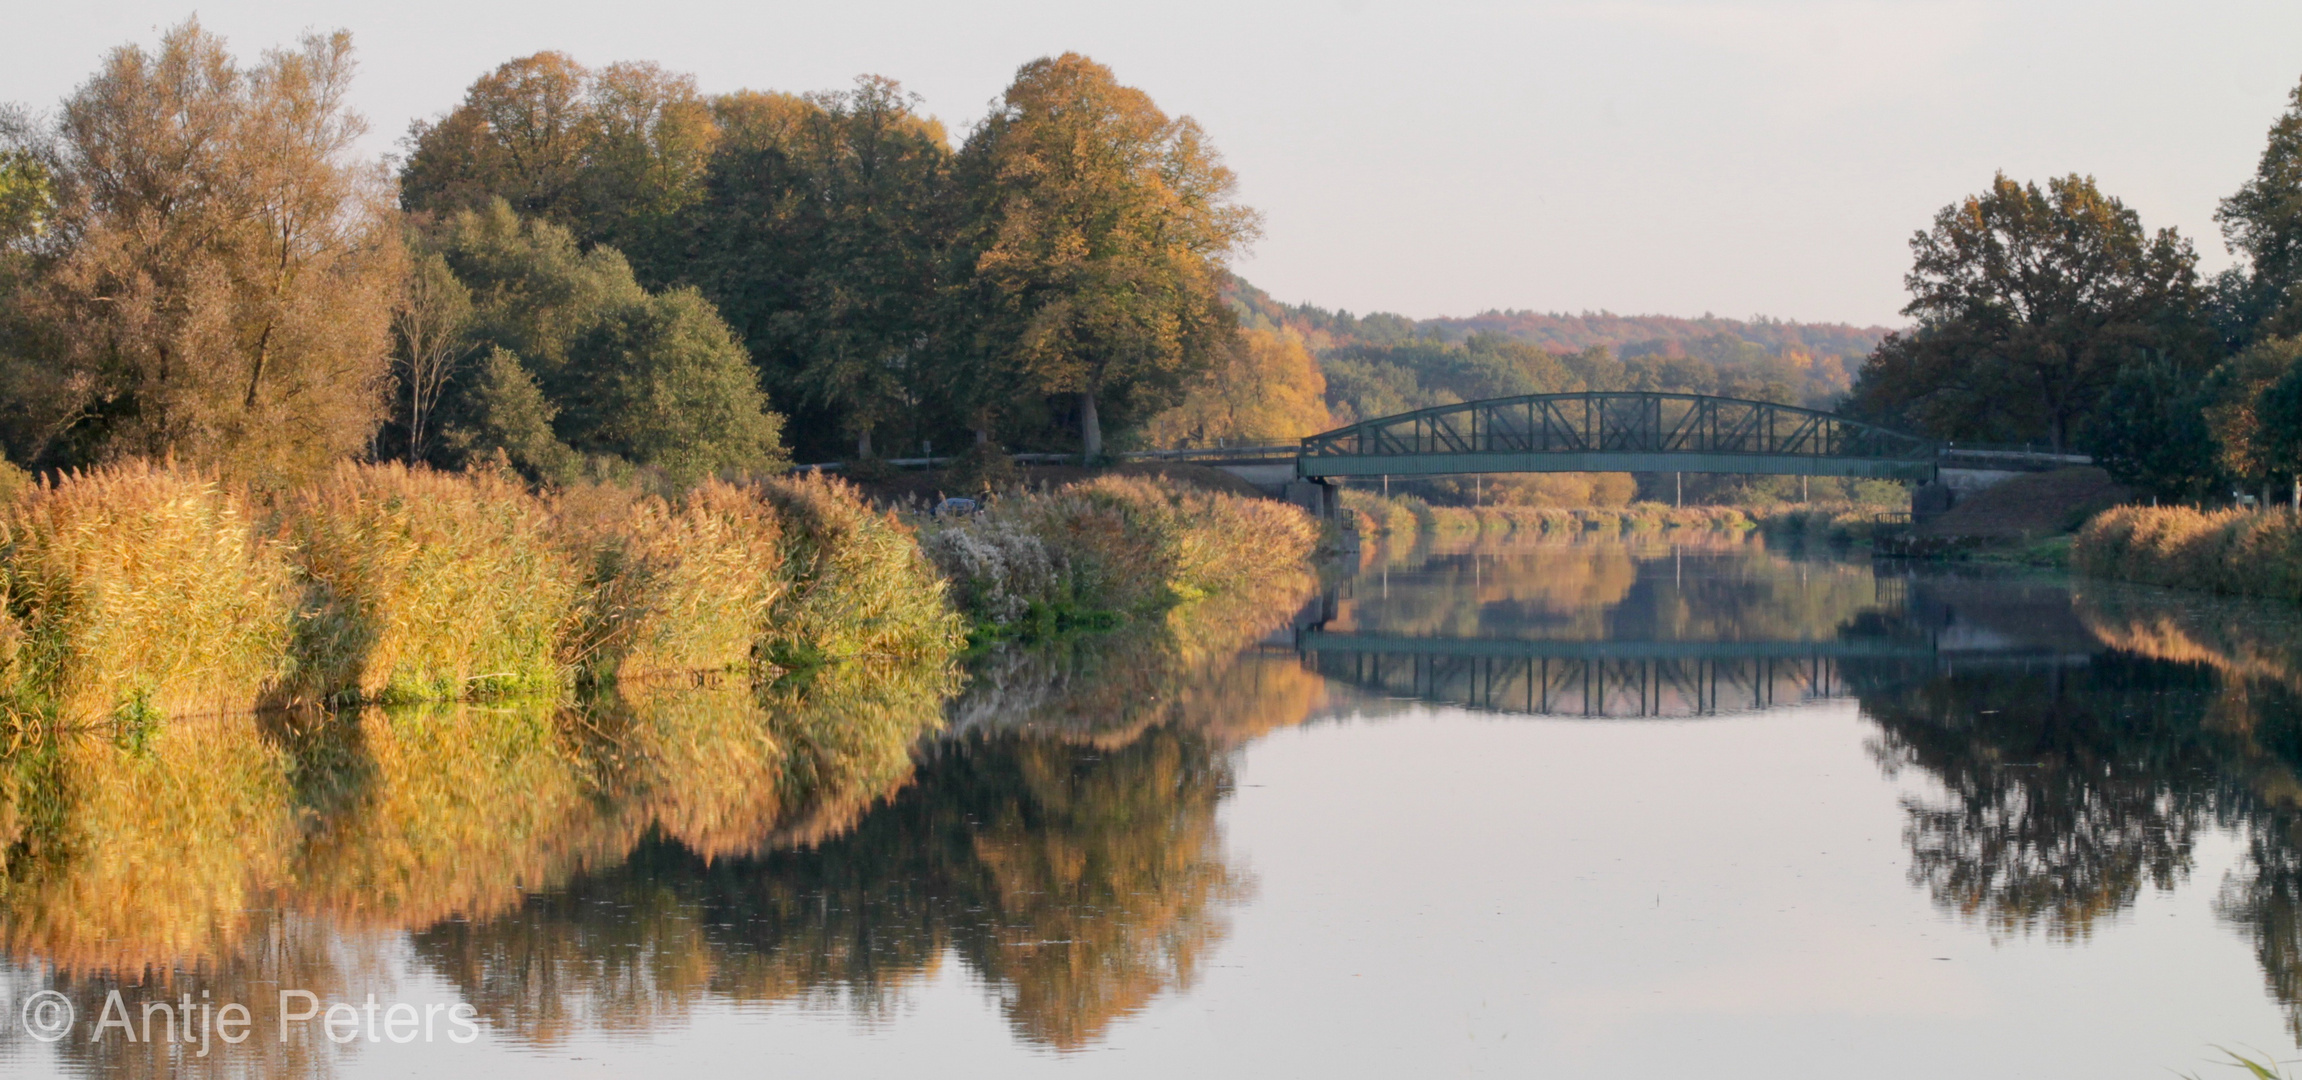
{"x":2237,"y":552}
{"x":135,"y":591}
{"x":675,"y":588}
{"x":1115,"y":546}
{"x":428,"y":586}
{"x":856,"y":584}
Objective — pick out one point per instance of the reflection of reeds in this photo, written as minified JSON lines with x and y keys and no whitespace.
{"x":2245,"y":641}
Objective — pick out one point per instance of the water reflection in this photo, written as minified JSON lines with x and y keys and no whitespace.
{"x":617,"y":864}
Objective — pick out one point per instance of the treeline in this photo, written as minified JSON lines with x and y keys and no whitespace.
{"x":2050,"y":315}
{"x":596,"y":272}
{"x":1377,"y":364}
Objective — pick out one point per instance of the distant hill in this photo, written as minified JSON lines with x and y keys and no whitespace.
{"x":1630,"y":335}
{"x":1813,"y":362}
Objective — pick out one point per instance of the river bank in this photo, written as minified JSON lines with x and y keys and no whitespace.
{"x":139,"y":592}
{"x":2234,"y":552}
{"x":1403,"y":517}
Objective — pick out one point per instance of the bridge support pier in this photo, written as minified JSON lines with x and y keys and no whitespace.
{"x":1316,"y":496}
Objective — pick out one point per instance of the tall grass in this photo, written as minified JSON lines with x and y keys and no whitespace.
{"x":856,"y":586}
{"x":1125,"y":546}
{"x":674,"y":588}
{"x":2240,"y":552}
{"x":135,"y":591}
{"x":428,"y":586}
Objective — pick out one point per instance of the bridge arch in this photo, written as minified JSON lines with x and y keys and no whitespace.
{"x":1627,"y":431}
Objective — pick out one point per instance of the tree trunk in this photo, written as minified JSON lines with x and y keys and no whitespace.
{"x":863,"y":445}
{"x":1090,"y":426}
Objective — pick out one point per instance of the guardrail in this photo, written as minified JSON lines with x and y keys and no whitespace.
{"x":1228,"y":455}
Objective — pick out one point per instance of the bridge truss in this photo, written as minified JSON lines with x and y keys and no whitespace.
{"x":1617,"y":432}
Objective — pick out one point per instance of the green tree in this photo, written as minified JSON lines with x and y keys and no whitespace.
{"x":1095,"y":240}
{"x":577,"y":350}
{"x":2263,"y":222}
{"x":824,"y":235}
{"x":2028,"y":301}
{"x":2249,"y":442}
{"x":614,"y":155}
{"x":2150,"y":432}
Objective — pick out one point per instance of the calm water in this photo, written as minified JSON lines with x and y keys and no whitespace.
{"x":1569,"y":809}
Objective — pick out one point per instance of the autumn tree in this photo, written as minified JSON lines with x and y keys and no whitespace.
{"x":216,"y":270}
{"x":1095,"y":242}
{"x":2252,"y":442}
{"x":1266,"y":389}
{"x":2028,"y":301}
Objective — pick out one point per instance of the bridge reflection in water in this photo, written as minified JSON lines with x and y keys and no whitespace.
{"x":1653,"y":679}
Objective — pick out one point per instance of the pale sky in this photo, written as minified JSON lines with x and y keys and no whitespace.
{"x":1767,"y":157}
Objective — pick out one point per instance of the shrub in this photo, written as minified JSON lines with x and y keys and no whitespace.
{"x":428,"y":586}
{"x":138,"y":591}
{"x":856,"y":583}
{"x":674,"y":588}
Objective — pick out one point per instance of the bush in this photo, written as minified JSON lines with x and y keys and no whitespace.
{"x":138,"y":591}
{"x":856,"y":583}
{"x":674,"y":588}
{"x":428,"y":586}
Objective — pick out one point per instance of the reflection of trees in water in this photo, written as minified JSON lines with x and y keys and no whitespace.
{"x":1078,"y":880}
{"x":2066,"y":790}
{"x":2069,"y":789}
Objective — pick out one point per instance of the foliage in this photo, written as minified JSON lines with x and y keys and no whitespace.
{"x":2028,"y":302}
{"x":824,"y":237}
{"x":1132,"y":547}
{"x":427,"y":585}
{"x":614,"y":155}
{"x":2151,"y":432}
{"x":216,"y":272}
{"x":1095,"y":236}
{"x":2263,"y":221}
{"x":1266,"y":389}
{"x":135,"y":590}
{"x":586,"y":371}
{"x":2254,"y":443}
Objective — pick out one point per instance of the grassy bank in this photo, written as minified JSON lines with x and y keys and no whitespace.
{"x":2237,"y":552}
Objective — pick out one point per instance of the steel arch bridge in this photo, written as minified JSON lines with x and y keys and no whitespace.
{"x":1616,"y":432}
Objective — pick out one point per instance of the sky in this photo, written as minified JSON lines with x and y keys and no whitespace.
{"x":1770,"y":157}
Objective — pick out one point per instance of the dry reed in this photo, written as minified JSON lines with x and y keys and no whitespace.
{"x":676,"y":588}
{"x":428,"y":586}
{"x":2239,"y":552}
{"x":136,"y":591}
{"x":856,"y":585}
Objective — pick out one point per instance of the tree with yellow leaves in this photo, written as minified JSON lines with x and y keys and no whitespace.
{"x":1267,"y":389}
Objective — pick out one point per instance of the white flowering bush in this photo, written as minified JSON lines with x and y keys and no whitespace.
{"x":996,"y":566}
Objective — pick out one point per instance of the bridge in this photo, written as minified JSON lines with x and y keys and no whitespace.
{"x":1616,"y":432}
